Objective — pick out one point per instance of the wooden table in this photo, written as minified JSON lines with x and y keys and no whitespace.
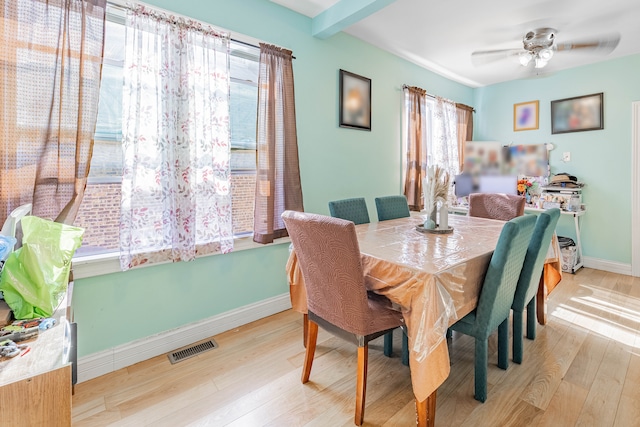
{"x":435,"y":279}
{"x":35,"y":389}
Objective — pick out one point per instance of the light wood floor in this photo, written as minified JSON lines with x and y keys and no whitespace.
{"x":583,"y":369}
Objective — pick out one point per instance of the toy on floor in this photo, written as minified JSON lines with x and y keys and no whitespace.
{"x":9,"y":348}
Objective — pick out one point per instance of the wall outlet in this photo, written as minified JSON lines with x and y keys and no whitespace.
{"x":566,"y":156}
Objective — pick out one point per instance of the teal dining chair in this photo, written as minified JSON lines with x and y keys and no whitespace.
{"x":529,"y":280}
{"x":354,"y":210}
{"x":496,"y":298}
{"x":392,"y":207}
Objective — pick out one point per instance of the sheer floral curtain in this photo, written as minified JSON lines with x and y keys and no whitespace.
{"x":278,"y":173}
{"x":414,"y":116}
{"x":465,"y":129}
{"x":51,"y":63}
{"x":176,"y":195}
{"x":443,"y":147}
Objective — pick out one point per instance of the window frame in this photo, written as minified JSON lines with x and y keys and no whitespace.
{"x":241,"y":44}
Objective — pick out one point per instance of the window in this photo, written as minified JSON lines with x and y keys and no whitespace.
{"x":442,"y":135}
{"x":430,"y":129}
{"x":100,"y":210}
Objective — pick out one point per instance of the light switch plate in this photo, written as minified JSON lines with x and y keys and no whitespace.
{"x":566,"y":156}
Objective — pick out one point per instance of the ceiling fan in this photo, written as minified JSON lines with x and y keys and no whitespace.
{"x":539,"y":46}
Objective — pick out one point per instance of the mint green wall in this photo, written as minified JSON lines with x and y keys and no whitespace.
{"x":118,"y":308}
{"x":602,"y":158}
{"x":335,"y":163}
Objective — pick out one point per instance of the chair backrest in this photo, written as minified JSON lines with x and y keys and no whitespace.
{"x":329,"y":257}
{"x":354,"y":210}
{"x":496,"y":206}
{"x":500,"y":282}
{"x":392,"y":207}
{"x":534,"y":260}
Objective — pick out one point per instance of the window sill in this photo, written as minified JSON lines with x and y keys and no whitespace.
{"x":97,"y":265}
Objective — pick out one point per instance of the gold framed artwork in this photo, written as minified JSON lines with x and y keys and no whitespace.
{"x":525,"y":116}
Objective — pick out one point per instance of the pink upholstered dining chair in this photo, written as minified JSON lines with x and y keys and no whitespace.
{"x":337,"y":300}
{"x":504,"y":207}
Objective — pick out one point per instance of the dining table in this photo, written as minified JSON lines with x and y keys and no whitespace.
{"x":433,"y":278}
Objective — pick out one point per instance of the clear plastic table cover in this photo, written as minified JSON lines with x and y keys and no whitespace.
{"x":433,"y":278}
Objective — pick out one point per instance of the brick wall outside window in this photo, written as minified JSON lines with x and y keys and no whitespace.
{"x":99,"y":214}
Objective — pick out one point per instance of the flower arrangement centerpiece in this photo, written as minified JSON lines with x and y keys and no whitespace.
{"x":436,"y":189}
{"x":528,"y":187}
{"x":523,"y":186}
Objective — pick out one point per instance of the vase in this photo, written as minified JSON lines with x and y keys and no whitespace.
{"x":444,"y":217}
{"x":430,"y":223}
{"x":527,"y":197}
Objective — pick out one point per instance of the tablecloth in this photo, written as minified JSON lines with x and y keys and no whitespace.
{"x":433,"y":278}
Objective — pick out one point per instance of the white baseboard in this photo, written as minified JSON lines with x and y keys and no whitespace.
{"x":606,"y":265}
{"x":101,"y":363}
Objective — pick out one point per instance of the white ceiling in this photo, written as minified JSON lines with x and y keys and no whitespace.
{"x":441,"y":35}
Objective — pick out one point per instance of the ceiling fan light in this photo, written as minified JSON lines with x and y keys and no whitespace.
{"x":540,"y":62}
{"x":545,"y":54}
{"x":525,"y":58}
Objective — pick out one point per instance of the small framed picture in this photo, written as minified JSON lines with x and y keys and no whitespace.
{"x":355,"y":101}
{"x":577,"y":114}
{"x":525,"y":116}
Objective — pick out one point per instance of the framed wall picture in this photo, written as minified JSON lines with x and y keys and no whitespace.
{"x":355,"y":101}
{"x":577,"y":114}
{"x":525,"y":116}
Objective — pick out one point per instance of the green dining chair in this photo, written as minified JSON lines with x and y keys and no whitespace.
{"x":496,"y":297}
{"x":392,"y":207}
{"x":354,"y":210}
{"x":530,"y":278}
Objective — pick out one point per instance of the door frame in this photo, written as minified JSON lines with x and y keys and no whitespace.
{"x":635,"y":189}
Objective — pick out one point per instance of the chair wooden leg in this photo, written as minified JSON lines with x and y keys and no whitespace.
{"x":388,"y":344}
{"x":361,"y":384}
{"x":517,"y":336}
{"x":481,"y":370}
{"x":405,"y":349}
{"x":311,"y":349}
{"x":432,"y":409}
{"x":531,"y":319}
{"x":541,"y":306}
{"x":426,"y":411}
{"x":503,"y":344}
{"x":305,"y":328}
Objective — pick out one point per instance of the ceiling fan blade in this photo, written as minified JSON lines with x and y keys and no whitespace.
{"x":481,"y":57}
{"x":603,"y":45}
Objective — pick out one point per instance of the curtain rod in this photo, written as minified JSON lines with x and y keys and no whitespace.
{"x":252,"y":45}
{"x":117,"y":4}
{"x":405,"y":86}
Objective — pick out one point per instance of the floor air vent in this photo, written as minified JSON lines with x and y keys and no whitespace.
{"x":191,"y":350}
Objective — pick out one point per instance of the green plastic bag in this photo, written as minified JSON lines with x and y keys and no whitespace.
{"x":34,"y":278}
